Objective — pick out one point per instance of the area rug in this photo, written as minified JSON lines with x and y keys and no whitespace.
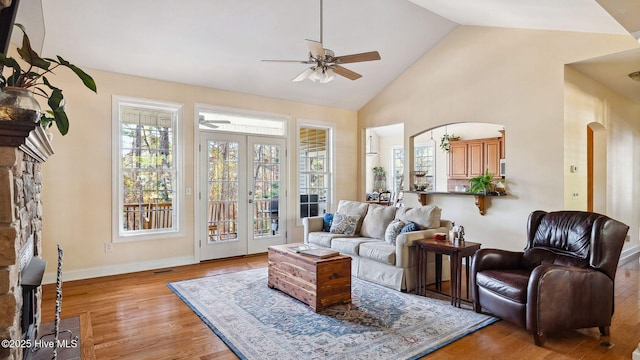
{"x":257,"y":322}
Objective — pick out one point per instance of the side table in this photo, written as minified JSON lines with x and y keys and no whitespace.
{"x":456,"y":254}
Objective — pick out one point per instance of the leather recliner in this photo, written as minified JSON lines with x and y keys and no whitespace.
{"x":564,"y":279}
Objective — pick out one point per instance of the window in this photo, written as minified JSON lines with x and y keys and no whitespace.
{"x":397,"y":166}
{"x":146,"y":167}
{"x":314,"y":169}
{"x":424,"y":163}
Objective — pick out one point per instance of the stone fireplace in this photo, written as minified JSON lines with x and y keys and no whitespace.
{"x":23,"y":149}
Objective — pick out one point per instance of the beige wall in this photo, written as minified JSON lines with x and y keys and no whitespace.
{"x":589,"y":102}
{"x":502,"y":76}
{"x":77,"y":179}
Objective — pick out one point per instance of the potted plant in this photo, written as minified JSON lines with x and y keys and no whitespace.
{"x":379,"y":178}
{"x":33,"y":78}
{"x":481,"y":184}
{"x":446,"y":139}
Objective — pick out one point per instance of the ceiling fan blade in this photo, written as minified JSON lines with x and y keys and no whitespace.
{"x":291,"y":61}
{"x":305,"y":74}
{"x":204,"y":121}
{"x":346,"y":73}
{"x":367,"y":56}
{"x":315,"y":48}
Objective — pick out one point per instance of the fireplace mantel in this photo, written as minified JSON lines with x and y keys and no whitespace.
{"x":30,"y":138}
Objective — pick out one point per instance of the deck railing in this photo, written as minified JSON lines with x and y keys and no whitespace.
{"x":222,"y":217}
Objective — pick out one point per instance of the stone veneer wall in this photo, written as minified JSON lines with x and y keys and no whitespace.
{"x":20,"y":218}
{"x":21,"y":155}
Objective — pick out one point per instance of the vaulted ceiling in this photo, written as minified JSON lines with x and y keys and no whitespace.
{"x":220,"y":44}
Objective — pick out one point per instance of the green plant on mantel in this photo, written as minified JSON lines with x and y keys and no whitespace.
{"x":445,"y":141}
{"x":481,"y":183}
{"x":33,"y":78}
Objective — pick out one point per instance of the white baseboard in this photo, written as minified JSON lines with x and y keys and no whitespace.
{"x":630,"y":254}
{"x":50,"y":278}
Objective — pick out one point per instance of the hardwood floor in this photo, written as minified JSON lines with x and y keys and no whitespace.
{"x":136,"y":316}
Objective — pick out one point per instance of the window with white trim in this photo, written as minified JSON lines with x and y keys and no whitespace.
{"x":397,"y":166}
{"x":424,"y":162}
{"x":146,"y":183}
{"x":314,"y":170}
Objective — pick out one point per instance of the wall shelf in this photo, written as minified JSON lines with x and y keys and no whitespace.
{"x":479,"y":199}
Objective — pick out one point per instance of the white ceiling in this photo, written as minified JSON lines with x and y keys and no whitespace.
{"x":219,"y":44}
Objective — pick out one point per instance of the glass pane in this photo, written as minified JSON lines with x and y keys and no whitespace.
{"x":266,"y":189}
{"x":222,"y":170}
{"x":260,"y":124}
{"x":313,"y":169}
{"x":147,"y":170}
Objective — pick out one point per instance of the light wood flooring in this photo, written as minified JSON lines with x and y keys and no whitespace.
{"x":136,"y":316}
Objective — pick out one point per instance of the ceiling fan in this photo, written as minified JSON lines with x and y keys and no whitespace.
{"x":211,"y":124}
{"x":325,"y":65}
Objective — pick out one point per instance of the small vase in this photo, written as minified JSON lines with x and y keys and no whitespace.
{"x":18,"y":104}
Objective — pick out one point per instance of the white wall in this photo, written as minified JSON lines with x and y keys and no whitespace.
{"x":511,"y":77}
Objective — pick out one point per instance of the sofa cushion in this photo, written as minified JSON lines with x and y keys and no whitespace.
{"x":349,"y":245}
{"x":393,"y":230}
{"x":379,"y":251}
{"x":426,"y":217}
{"x":376,"y":221}
{"x":347,"y":207}
{"x":322,"y":238}
{"x":344,"y":224}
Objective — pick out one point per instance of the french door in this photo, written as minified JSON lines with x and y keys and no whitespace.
{"x":242,"y":199}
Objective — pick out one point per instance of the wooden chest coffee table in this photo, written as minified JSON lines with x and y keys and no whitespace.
{"x":316,"y":282}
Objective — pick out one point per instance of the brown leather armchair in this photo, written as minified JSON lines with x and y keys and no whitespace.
{"x":563,"y":280}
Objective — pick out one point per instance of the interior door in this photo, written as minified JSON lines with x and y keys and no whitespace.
{"x":241,"y":199}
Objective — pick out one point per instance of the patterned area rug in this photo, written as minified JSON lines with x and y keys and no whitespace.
{"x":257,"y":322}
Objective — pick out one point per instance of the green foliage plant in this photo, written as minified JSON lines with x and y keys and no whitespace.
{"x":378,"y":170}
{"x":481,"y":183}
{"x":34,"y":79}
{"x":446,"y":139}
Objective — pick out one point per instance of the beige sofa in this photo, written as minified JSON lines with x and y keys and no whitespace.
{"x":376,"y":257}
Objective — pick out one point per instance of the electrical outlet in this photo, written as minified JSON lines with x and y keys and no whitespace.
{"x":574,"y":195}
{"x":627,"y":238}
{"x":108,"y":247}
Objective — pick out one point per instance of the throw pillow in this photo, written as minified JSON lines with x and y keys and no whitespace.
{"x":426,"y":217}
{"x":393,"y":230}
{"x":327,"y":219}
{"x":410,"y":226}
{"x":376,"y":220}
{"x":344,"y":224}
{"x":348,"y":207}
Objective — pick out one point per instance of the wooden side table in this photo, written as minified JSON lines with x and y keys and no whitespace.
{"x":456,"y":254}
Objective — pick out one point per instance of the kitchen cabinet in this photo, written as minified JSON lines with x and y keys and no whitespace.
{"x":458,"y":160}
{"x":470,"y":158}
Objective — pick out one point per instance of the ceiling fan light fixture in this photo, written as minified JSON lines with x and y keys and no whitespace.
{"x":635,"y":76}
{"x":316,"y":75}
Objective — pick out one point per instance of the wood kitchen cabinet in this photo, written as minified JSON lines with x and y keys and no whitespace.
{"x":470,"y":158}
{"x":458,"y":160}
